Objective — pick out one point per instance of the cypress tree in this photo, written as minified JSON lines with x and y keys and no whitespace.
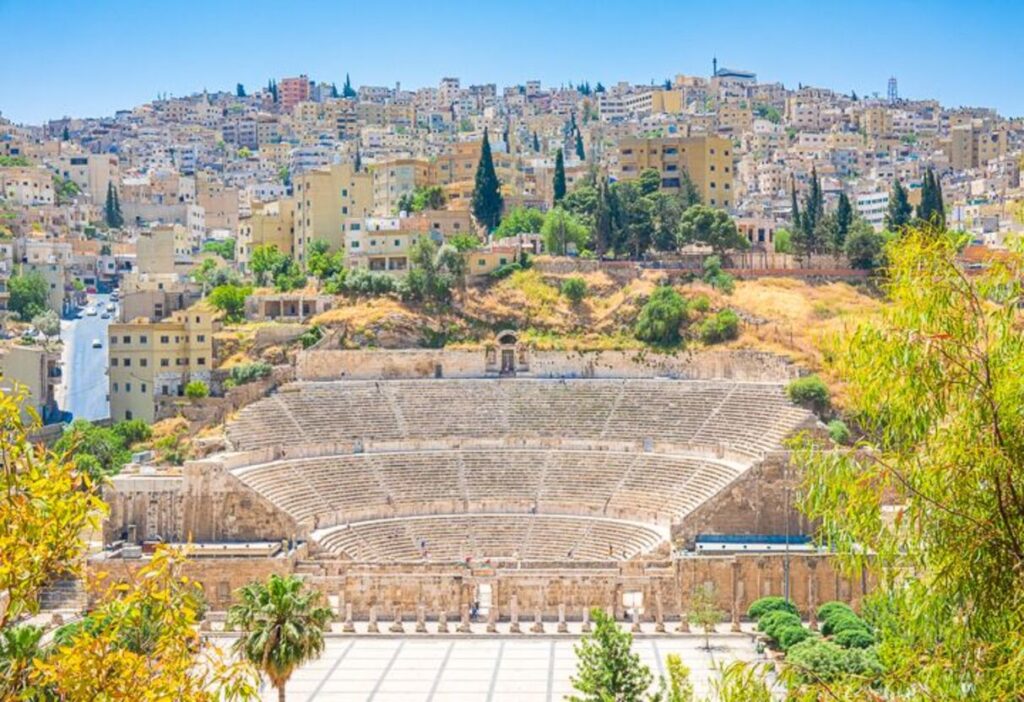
{"x":559,"y":181}
{"x":794,"y":205}
{"x":580,"y":153}
{"x":940,"y":205}
{"x":112,"y":208}
{"x":844,"y":215}
{"x":240,"y":90}
{"x":487,"y":201}
{"x":536,"y":142}
{"x":358,"y":161}
{"x":931,"y":209}
{"x":347,"y":90}
{"x":334,"y":90}
{"x":65,"y":134}
{"x":898,"y":214}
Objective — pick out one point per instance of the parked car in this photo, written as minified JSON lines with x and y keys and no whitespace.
{"x":91,"y":311}
{"x":97,"y":344}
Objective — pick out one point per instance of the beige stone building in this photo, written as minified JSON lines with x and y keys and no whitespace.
{"x":270,"y":224}
{"x":325,"y":199}
{"x":707,"y":160}
{"x":150,"y":360}
{"x":35,"y":369}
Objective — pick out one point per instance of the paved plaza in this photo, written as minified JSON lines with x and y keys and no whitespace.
{"x":464,"y":668}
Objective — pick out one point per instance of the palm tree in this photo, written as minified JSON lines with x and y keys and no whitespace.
{"x":282,"y":627}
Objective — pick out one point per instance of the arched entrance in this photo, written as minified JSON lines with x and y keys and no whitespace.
{"x":505,"y":356}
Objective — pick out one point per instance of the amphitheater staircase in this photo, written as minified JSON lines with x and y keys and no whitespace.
{"x":614,"y":409}
{"x":622,"y":480}
{"x":400,"y":423}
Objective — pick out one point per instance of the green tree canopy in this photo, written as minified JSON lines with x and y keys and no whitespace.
{"x":661,"y":317}
{"x":606,"y":668}
{"x":282,"y":625}
{"x":29,"y":293}
{"x":558,"y":183}
{"x":899,"y":212}
{"x":712,"y":227}
{"x":560,"y":230}
{"x":931,"y":502}
{"x":521,"y":220}
{"x":230,"y":299}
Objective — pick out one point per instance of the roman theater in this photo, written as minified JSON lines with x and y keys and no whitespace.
{"x":423,"y":485}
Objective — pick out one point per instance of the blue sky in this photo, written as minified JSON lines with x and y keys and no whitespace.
{"x":89,"y":58}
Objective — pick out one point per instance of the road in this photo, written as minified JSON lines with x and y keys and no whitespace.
{"x":84,"y":390}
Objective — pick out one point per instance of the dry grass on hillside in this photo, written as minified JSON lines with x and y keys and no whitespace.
{"x":794,"y":318}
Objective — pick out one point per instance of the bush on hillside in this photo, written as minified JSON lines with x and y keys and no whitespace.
{"x":506,"y":270}
{"x":838,"y":431}
{"x":196,"y":390}
{"x":723,"y":326}
{"x":661,"y":317}
{"x":248,"y":372}
{"x":700,"y":304}
{"x":574,"y":289}
{"x":809,"y":391}
{"x":761,"y":607}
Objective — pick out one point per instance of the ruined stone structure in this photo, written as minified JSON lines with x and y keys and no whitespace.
{"x":547,"y":495}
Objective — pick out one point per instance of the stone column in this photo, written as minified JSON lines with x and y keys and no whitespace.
{"x":372,"y":628}
{"x":563,"y":628}
{"x":348,"y":627}
{"x":421,"y":619}
{"x":659,"y":613}
{"x":396,"y":626}
{"x":684,"y":623}
{"x":464,"y":627}
{"x":635,"y":628}
{"x":492,"y":619}
{"x":736,"y":595}
{"x":538,"y":624}
{"x":586,"y":620}
{"x":442,"y":622}
{"x":514,"y":615}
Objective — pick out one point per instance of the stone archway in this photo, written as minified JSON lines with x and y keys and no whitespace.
{"x":506,"y":356}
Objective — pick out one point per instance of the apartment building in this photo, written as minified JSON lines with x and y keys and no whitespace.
{"x":328,"y":202}
{"x":34,"y":369}
{"x":707,"y":160}
{"x":395,"y":179}
{"x":26,"y":186}
{"x":270,"y":224}
{"x":151,"y":360}
{"x":92,"y":173}
{"x":291,"y":91}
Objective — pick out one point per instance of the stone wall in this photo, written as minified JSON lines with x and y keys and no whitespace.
{"x":203,"y":502}
{"x":367,"y":364}
{"x":758,"y":502}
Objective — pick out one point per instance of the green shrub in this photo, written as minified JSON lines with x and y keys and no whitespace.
{"x":789,"y":636}
{"x":132,"y":431}
{"x":248,"y":372}
{"x":761,"y":607}
{"x":660,"y":319}
{"x":773,"y":622}
{"x":724,"y":326}
{"x":575,"y":289}
{"x":311,"y":336}
{"x":700,"y":304}
{"x":809,"y":391}
{"x":814,"y":658}
{"x":838,"y":431}
{"x":831,"y":609}
{"x":854,"y":638}
{"x":196,"y":390}
{"x":842,"y":621}
{"x":506,"y":270}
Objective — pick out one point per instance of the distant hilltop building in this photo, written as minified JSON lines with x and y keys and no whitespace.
{"x":732,"y":73}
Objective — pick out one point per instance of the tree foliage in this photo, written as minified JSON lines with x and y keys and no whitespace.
{"x":29,"y":294}
{"x":230,"y":299}
{"x":282,"y":625}
{"x":562,"y":232}
{"x":487,"y":201}
{"x":935,"y":385}
{"x":711,"y":227}
{"x":606,"y":667}
{"x":521,"y":220}
{"x":661,"y":318}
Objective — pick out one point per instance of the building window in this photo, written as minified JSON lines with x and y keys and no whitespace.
{"x":115,"y":387}
{"x":143,"y":339}
{"x":165,"y":339}
{"x":143,"y":389}
{"x":164,"y":362}
{"x":126,"y":339}
{"x":200,"y":337}
{"x":143,"y":362}
{"x":201,"y":361}
{"x":127,"y":387}
{"x":113,"y":362}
